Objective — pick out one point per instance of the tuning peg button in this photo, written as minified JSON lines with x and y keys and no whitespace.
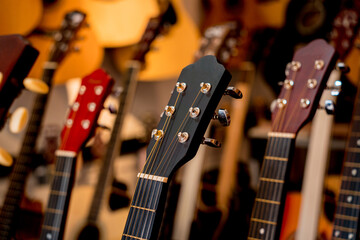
{"x":36,"y":85}
{"x":233,"y":92}
{"x":18,"y":120}
{"x":341,"y":66}
{"x":223,"y":117}
{"x":329,"y":107}
{"x":211,"y":142}
{"x":5,"y":158}
{"x":336,"y":88}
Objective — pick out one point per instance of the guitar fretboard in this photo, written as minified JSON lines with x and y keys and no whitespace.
{"x":22,"y":165}
{"x":348,"y":205}
{"x":114,"y":144}
{"x":58,"y":203}
{"x":268,"y":207}
{"x":144,"y":209}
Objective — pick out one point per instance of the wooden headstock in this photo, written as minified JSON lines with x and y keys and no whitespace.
{"x":306,"y":78}
{"x":83,"y":115}
{"x":186,"y":117}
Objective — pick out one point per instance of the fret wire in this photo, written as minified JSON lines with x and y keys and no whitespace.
{"x":272,"y":186}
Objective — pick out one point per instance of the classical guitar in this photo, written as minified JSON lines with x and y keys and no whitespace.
{"x":311,"y":222}
{"x":114,"y":22}
{"x":175,"y":141}
{"x":16,"y":17}
{"x":86,"y":55}
{"x":181,"y":41}
{"x":295,"y":106}
{"x":79,"y":126}
{"x":17,"y":57}
{"x":91,"y":228}
{"x":9,"y":212}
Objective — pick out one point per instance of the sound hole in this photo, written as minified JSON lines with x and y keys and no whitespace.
{"x":89,"y":232}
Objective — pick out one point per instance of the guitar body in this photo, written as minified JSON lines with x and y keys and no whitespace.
{"x":181,"y":41}
{"x":291,"y":217}
{"x":109,"y":226}
{"x":20,"y":16}
{"x":113,"y":21}
{"x":76,"y":64}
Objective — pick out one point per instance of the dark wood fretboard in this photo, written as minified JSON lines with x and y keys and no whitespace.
{"x":346,"y":224}
{"x":146,"y":210}
{"x":60,"y":192}
{"x":10,"y":209}
{"x":268,"y":207}
{"x":114,"y":144}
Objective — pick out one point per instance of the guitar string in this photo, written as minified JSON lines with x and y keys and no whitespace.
{"x":148,"y":160}
{"x":171,"y":145}
{"x":165,"y":163}
{"x":139,"y":185}
{"x":144,"y":182}
{"x":346,"y":185}
{"x":275,"y":189}
{"x":270,"y":151}
{"x":351,"y":156}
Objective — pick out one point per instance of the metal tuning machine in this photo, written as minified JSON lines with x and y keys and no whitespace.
{"x":211,"y":142}
{"x":233,"y":92}
{"x":223,"y":117}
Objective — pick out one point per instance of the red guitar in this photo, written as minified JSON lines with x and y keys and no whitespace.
{"x":79,"y":127}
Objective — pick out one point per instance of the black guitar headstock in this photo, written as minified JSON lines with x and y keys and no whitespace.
{"x":186,"y":117}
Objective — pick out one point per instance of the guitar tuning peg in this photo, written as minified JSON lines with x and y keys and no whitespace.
{"x":233,"y":92}
{"x":117,"y":91}
{"x":5,"y":158}
{"x":18,"y":120}
{"x":341,"y":66}
{"x":103,"y":127}
{"x":36,"y":85}
{"x":329,"y":107}
{"x":223,"y":117}
{"x":211,"y":142}
{"x":112,"y":109}
{"x":335,"y":89}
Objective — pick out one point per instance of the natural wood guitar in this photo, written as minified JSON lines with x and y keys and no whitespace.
{"x":295,"y":106}
{"x":9,"y":213}
{"x":17,"y":18}
{"x":181,"y":41}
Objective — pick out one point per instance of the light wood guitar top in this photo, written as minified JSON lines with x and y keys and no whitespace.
{"x":19,"y":16}
{"x":115,"y":22}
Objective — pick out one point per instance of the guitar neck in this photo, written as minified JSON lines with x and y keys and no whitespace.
{"x":114,"y":145}
{"x":22,"y":165}
{"x":146,"y":210}
{"x":58,"y":203}
{"x":268,"y":208}
{"x":348,"y":211}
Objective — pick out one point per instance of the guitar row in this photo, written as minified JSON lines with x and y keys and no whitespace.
{"x":180,"y":131}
